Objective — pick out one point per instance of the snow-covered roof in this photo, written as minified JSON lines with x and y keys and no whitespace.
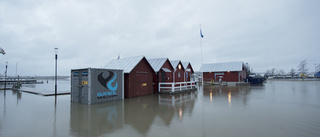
{"x":127,"y":64}
{"x":174,"y":63}
{"x":166,"y":69}
{"x":157,"y":63}
{"x":222,"y":67}
{"x":185,"y":64}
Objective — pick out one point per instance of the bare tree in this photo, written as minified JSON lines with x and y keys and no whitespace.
{"x":281,"y":72}
{"x":318,"y":68}
{"x":273,"y":70}
{"x":302,"y":68}
{"x":292,"y":72}
{"x":267,"y":73}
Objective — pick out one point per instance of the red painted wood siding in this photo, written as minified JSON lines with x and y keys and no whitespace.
{"x":168,"y":75}
{"x":228,"y":76}
{"x":181,"y":71}
{"x":189,"y":73}
{"x":140,"y":81}
{"x":233,"y":76}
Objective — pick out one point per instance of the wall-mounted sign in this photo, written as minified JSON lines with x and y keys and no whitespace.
{"x":219,"y":73}
{"x":84,"y":82}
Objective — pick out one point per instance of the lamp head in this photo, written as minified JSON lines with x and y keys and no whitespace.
{"x":56,"y":50}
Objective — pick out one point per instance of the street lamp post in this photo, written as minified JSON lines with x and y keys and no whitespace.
{"x":5,"y":76}
{"x":55,"y":85}
{"x":315,"y":69}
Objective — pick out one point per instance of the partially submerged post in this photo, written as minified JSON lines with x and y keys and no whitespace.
{"x":55,"y":78}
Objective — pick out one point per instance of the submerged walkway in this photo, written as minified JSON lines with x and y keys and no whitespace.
{"x":43,"y":92}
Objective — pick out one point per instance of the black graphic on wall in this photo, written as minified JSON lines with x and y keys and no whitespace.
{"x":107,"y":82}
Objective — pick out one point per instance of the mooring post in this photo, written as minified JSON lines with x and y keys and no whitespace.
{"x":55,"y":85}
{"x":5,"y":77}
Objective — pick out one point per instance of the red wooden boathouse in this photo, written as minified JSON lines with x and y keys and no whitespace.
{"x":138,"y":75}
{"x":164,"y":71}
{"x":228,"y":71}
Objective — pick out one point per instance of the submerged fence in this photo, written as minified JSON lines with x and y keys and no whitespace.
{"x":177,"y":86}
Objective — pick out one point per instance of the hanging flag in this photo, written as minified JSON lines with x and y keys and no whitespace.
{"x":2,"y":51}
{"x":201,"y":33}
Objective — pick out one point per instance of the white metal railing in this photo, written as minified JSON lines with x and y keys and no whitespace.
{"x":177,"y":86}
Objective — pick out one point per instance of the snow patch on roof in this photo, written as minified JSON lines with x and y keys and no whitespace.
{"x":185,"y":64}
{"x":222,"y":67}
{"x":126,"y":64}
{"x":174,"y":63}
{"x":157,"y":63}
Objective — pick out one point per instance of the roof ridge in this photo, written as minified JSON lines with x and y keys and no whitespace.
{"x":131,"y":57}
{"x":157,"y":58}
{"x":224,"y":62}
{"x":127,"y":64}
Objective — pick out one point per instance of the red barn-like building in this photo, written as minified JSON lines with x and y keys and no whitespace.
{"x":188,"y":70}
{"x":164,"y":71}
{"x":229,"y":71}
{"x":138,"y":75}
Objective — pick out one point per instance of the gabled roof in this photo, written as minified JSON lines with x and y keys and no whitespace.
{"x":127,"y":64}
{"x":157,"y":63}
{"x":185,"y":65}
{"x":222,"y":67}
{"x":174,"y":63}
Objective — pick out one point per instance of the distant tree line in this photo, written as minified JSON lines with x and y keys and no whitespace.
{"x":302,"y":71}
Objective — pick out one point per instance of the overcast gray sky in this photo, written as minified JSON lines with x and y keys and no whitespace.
{"x":265,"y":33}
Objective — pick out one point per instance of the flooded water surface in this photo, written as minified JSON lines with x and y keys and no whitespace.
{"x":279,"y":108}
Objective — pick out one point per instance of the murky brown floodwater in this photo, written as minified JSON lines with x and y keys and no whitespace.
{"x":279,"y":108}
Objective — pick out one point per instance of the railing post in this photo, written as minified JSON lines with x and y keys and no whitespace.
{"x":187,"y":85}
{"x":172,"y":85}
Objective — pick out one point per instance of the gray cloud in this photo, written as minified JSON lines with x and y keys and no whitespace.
{"x":266,"y":34}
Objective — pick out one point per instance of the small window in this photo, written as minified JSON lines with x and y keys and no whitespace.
{"x":75,"y":74}
{"x":179,"y":74}
{"x":85,"y":73}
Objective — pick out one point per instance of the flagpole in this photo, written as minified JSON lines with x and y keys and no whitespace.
{"x":201,"y":36}
{"x":201,"y":44}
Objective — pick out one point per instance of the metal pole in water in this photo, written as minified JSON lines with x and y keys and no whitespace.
{"x":55,"y":82}
{"x":16,"y":69}
{"x":5,"y":77}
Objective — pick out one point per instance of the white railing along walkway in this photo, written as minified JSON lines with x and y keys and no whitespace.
{"x":178,"y":86}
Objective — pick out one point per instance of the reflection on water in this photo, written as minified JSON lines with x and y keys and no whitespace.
{"x":138,"y":113}
{"x":96,"y":120}
{"x":48,"y":87}
{"x":225,"y":94}
{"x":279,"y":108}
